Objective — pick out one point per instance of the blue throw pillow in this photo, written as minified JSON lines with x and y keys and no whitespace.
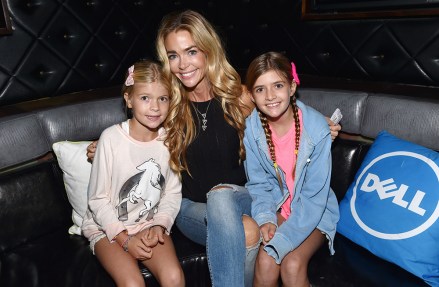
{"x":392,"y":207}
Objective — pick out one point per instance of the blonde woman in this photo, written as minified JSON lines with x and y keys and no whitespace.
{"x":205,"y":129}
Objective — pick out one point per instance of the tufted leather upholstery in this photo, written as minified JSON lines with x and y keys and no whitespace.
{"x":36,"y":249}
{"x":80,"y":121}
{"x":16,"y":133}
{"x":356,"y":102}
{"x":407,"y":118}
{"x":63,"y":46}
{"x":410,"y":118}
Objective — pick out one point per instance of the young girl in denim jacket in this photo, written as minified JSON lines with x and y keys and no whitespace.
{"x":288,"y":165}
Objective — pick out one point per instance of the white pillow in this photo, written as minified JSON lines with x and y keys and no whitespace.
{"x":72,"y":159}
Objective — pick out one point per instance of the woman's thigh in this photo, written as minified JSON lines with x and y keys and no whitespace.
{"x":227,"y":196}
{"x":191,"y":220}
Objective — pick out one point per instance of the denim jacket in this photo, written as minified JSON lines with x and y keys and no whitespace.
{"x":314,"y":204}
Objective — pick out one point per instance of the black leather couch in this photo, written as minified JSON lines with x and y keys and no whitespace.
{"x":36,"y":249}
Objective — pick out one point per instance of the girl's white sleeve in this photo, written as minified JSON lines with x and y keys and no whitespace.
{"x":169,"y":205}
{"x":99,"y":190}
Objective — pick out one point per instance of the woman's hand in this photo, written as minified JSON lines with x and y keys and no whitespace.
{"x":91,"y":150}
{"x":334,"y":128}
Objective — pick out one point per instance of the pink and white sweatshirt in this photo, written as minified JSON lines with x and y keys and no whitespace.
{"x":131,"y":186}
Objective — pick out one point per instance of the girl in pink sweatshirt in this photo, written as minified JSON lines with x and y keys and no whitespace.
{"x":133,"y":195}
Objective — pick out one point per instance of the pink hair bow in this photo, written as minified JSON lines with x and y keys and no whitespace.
{"x":130,"y":81}
{"x":294,"y":73}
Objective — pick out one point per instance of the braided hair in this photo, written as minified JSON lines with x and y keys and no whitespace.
{"x":279,"y":63}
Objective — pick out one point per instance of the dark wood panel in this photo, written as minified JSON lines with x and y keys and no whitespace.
{"x":5,"y":21}
{"x":348,"y":9}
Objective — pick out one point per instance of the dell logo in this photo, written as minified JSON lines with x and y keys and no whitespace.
{"x":406,"y":183}
{"x":387,"y":189}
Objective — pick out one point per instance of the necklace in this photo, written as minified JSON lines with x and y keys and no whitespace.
{"x":203,"y":115}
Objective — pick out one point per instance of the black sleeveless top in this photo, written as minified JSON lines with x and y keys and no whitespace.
{"x":213,"y":157}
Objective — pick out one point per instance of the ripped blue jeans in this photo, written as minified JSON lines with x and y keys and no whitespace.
{"x":217,"y":224}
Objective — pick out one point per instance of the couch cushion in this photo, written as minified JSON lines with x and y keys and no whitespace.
{"x":33,"y":203}
{"x":412,"y":119}
{"x":60,"y":259}
{"x":22,"y":140}
{"x":83,"y":121}
{"x":57,"y":259}
{"x":351,"y":105}
{"x":346,"y":159}
{"x":72,"y":159}
{"x":392,"y":207}
{"x":354,"y":266}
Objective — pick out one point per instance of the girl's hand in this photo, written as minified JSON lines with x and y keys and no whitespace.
{"x":138,"y":249}
{"x":334,"y":128}
{"x":91,"y":150}
{"x":157,"y":231}
{"x":152,"y":236}
{"x":143,"y":235}
{"x":267,"y":232}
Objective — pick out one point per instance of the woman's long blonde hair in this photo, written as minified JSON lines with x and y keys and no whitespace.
{"x":223,"y":78}
{"x":274,"y":61}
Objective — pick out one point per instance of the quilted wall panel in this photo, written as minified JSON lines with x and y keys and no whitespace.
{"x":64,"y":46}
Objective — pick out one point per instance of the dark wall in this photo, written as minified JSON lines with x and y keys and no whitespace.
{"x":60,"y":47}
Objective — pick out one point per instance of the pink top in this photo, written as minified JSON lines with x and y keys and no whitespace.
{"x":286,"y":159}
{"x":131,"y":186}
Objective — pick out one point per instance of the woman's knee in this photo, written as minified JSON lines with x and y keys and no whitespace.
{"x":251,"y":230}
{"x":221,"y":199}
{"x":220,"y":191}
{"x":230,"y":198}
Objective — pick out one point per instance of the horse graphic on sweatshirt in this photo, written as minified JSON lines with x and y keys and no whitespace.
{"x":146,"y":186}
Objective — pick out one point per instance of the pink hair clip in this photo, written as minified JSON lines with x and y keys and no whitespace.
{"x":130,"y":81}
{"x":294,"y":73}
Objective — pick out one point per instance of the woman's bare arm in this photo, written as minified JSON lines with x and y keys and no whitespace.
{"x":91,"y":150}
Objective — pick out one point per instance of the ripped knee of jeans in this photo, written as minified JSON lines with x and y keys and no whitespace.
{"x":252,"y":232}
{"x":221,"y":187}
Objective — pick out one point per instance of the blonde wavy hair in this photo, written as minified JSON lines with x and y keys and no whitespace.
{"x":223,"y":78}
